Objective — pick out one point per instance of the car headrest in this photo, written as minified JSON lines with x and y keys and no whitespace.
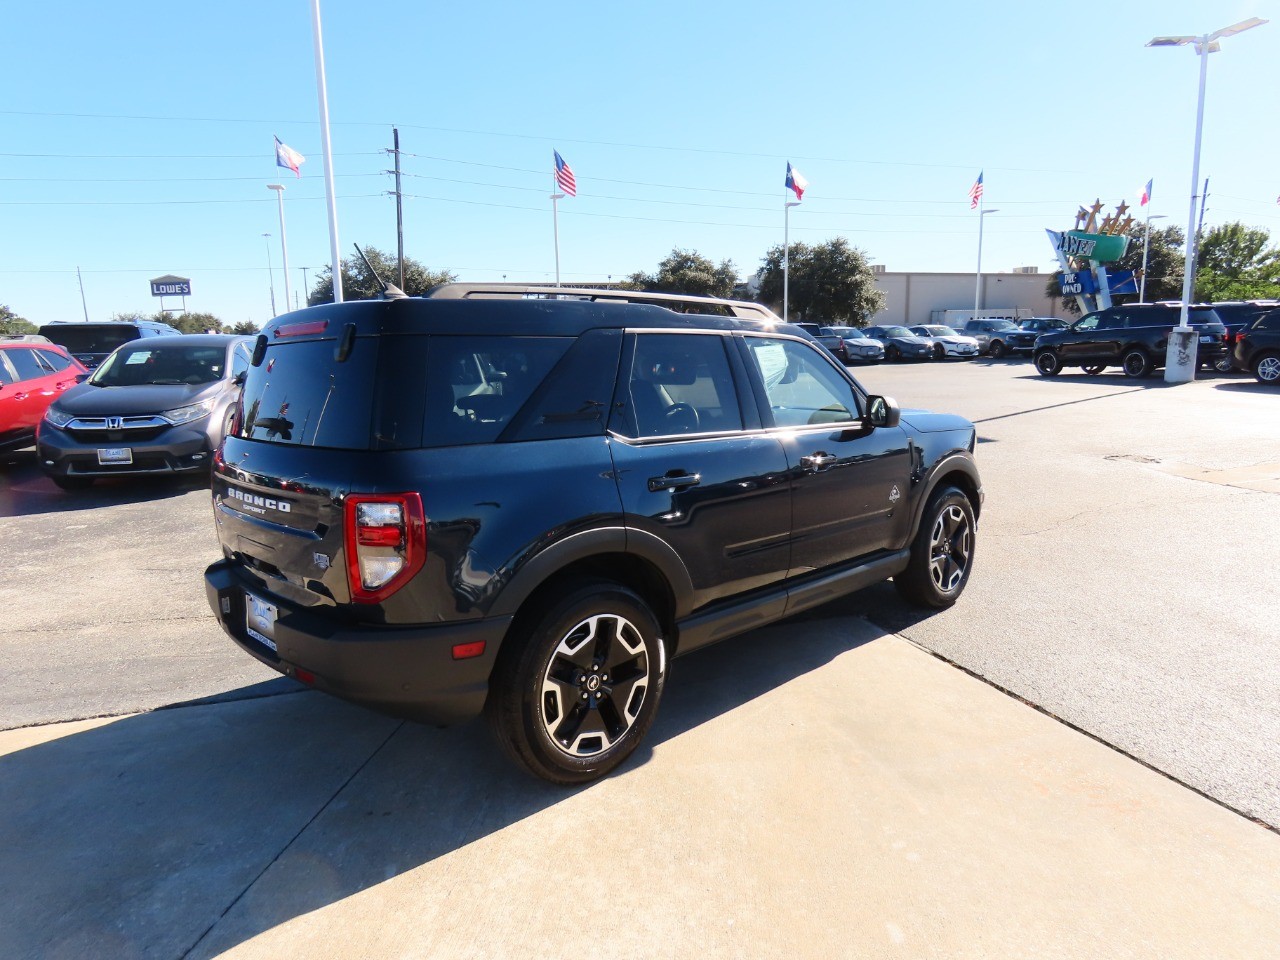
{"x":668,"y":369}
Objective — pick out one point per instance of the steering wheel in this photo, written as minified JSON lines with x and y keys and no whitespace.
{"x":682,"y":416}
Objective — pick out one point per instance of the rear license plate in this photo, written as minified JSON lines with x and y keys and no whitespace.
{"x":114,"y":455}
{"x":260,"y":620}
{"x":1207,"y":339}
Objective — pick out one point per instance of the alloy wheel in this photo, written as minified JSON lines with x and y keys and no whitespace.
{"x":594,"y":685}
{"x":1269,"y":369}
{"x":949,"y":548}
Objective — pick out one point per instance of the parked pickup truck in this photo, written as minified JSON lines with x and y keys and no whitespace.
{"x":1133,"y":337}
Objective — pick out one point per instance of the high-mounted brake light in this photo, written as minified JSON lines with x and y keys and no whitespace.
{"x":386,"y":543}
{"x":305,"y":329}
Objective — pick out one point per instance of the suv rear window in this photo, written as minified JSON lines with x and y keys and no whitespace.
{"x":90,"y":338}
{"x":300,"y":394}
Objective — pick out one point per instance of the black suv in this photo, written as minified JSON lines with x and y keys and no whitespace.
{"x":1023,"y":340}
{"x":1257,"y":347}
{"x":1134,"y":337}
{"x":526,"y":507}
{"x":1238,"y":316}
{"x":91,"y":342}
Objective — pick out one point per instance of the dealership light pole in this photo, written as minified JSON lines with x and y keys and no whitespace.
{"x":1180,"y":359}
{"x":1146,"y":245}
{"x":977,"y":288}
{"x":323,"y":94}
{"x":284,"y":244}
{"x":271,"y":280}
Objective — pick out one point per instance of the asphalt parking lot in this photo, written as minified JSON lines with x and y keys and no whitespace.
{"x":824,"y":787}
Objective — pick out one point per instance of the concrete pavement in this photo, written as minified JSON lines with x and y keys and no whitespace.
{"x":832,"y":791}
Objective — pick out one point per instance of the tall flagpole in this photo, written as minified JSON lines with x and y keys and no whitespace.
{"x":555,"y":226}
{"x":786,"y":250}
{"x":977,"y":286}
{"x":1146,"y":245}
{"x":330,"y":193}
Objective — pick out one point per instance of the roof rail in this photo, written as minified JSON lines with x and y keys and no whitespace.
{"x":680,"y":303}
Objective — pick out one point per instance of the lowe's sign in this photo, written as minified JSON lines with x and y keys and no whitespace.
{"x":171,"y":286}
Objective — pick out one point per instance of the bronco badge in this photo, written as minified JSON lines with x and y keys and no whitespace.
{"x":894,"y":495}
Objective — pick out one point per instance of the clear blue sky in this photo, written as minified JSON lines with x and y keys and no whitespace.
{"x":137,"y":137}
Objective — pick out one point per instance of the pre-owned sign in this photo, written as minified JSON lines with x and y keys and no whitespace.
{"x":171,"y":286}
{"x":1077,"y":283}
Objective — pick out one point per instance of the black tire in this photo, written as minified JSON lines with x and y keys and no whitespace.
{"x":942,"y":552}
{"x":939,"y":352}
{"x":1137,"y":363}
{"x":1266,"y":368}
{"x":72,"y":483}
{"x":892,"y":353}
{"x":556,"y":704}
{"x":1224,"y":364}
{"x":997,"y":349}
{"x":1094,"y":369}
{"x":1048,"y":364}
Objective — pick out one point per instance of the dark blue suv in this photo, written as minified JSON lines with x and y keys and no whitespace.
{"x":526,"y":506}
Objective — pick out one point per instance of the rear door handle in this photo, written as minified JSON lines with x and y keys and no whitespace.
{"x":817,"y":462}
{"x":674,"y":480}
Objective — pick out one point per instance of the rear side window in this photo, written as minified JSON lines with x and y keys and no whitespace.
{"x":26,"y":364}
{"x":301,"y":395}
{"x":680,"y":383}
{"x":477,"y":386}
{"x":56,"y":361}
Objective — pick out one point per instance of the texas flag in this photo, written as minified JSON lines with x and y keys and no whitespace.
{"x":1146,"y":193}
{"x":289,"y":158}
{"x":796,"y":182}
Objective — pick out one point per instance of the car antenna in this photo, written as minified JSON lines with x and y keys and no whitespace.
{"x":389,"y":290}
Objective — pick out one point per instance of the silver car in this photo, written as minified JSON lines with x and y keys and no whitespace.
{"x":858,"y":348}
{"x":946,"y":342}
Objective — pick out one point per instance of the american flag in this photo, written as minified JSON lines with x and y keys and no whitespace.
{"x":564,"y":176}
{"x":975,"y":192}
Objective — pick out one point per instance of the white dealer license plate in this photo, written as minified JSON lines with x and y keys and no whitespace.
{"x":260,"y":620}
{"x":1206,"y":339}
{"x":114,"y":455}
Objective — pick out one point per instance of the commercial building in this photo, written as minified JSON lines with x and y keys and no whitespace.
{"x":912,"y":298}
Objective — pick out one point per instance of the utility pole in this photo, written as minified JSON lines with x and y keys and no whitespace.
{"x":399,"y":209}
{"x":82,"y":300}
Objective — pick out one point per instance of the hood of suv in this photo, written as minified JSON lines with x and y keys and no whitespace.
{"x":87,"y":400}
{"x":926,"y":421}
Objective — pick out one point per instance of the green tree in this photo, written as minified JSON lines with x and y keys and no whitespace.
{"x":359,"y":284}
{"x":185,"y":322}
{"x":687,"y":272}
{"x":828,"y":283}
{"x":1236,"y":263}
{"x":1164,"y":267}
{"x":10,"y":322}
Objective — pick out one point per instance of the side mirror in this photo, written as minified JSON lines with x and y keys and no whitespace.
{"x":883,"y":411}
{"x":240,"y":378}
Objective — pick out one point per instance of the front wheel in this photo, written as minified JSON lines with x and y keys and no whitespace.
{"x":892,"y":354}
{"x":576,"y":688}
{"x":942,"y":552}
{"x":1048,"y":364}
{"x":1094,"y":369}
{"x":1137,"y":364}
{"x":939,"y":352}
{"x":1267,"y":368}
{"x":1224,"y":364}
{"x":997,"y":349}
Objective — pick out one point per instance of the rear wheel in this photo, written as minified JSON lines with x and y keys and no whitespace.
{"x":577,"y":688}
{"x":997,"y":349}
{"x":1224,"y":364}
{"x":1048,"y":364}
{"x":1267,"y":368}
{"x":1137,"y":364}
{"x":942,"y":552}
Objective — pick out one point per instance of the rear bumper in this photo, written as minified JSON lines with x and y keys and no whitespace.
{"x":404,"y":671}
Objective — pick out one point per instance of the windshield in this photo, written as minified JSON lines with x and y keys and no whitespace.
{"x":149,"y":362}
{"x":938,"y":330}
{"x":897,"y":332}
{"x":90,"y":338}
{"x":1002,"y":325}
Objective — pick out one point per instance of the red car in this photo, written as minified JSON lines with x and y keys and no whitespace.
{"x":33,"y":371}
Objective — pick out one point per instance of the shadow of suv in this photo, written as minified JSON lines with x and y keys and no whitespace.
{"x":526,"y":505}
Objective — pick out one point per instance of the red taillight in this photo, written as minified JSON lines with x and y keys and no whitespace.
{"x":386,"y":543}
{"x":304,"y":329}
{"x":465,"y":651}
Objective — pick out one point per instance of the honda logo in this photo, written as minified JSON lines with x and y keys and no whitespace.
{"x":115,"y":423}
